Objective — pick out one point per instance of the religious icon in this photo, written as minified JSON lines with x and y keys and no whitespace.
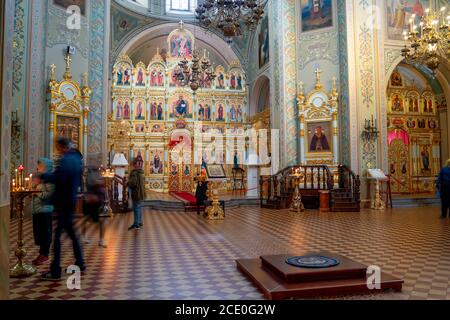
{"x":201,"y":112}
{"x":139,"y":128}
{"x":239,"y":113}
{"x":425,"y":158}
{"x":160,"y":111}
{"x":140,"y":110}
{"x":154,"y":78}
{"x":119,"y":77}
{"x":126,"y":111}
{"x":221,"y":81}
{"x":68,"y":127}
{"x":157,"y":128}
{"x":397,"y":104}
{"x":160,"y":78}
{"x":421,"y":124}
{"x":263,"y":42}
{"x":207,"y":112}
{"x":318,"y":141}
{"x":220,"y":113}
{"x":392,"y":168}
{"x":140,"y":78}
{"x":233,"y":83}
{"x":153,"y":111}
{"x":425,"y":105}
{"x":400,"y":12}
{"x":156,"y":162}
{"x":430,"y":105}
{"x":316,"y":14}
{"x":416,"y":105}
{"x":431,"y":124}
{"x":67,"y":3}
{"x":396,"y":79}
{"x":126,"y":77}
{"x":410,"y":123}
{"x":119,"y":110}
{"x":181,"y":46}
{"x":233,"y":112}
{"x":181,"y":107}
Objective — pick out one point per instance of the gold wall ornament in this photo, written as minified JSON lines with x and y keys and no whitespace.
{"x":68,"y":109}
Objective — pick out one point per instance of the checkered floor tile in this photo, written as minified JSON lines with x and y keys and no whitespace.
{"x":181,"y":256}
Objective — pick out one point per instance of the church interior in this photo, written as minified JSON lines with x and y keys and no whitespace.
{"x":259,"y":149}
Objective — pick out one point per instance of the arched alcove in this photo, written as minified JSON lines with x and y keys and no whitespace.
{"x":260,"y":95}
{"x":416,"y":127}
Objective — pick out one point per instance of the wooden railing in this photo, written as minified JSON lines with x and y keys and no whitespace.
{"x":350,"y":181}
{"x":281,"y":185}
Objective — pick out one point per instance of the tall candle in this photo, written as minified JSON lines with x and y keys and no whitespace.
{"x":27,"y":183}
{"x":31,"y":181}
{"x":17,"y":176}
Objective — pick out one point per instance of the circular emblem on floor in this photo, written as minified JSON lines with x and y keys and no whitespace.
{"x":312,"y":262}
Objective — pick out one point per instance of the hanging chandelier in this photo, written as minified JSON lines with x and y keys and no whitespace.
{"x":189,"y":75}
{"x":229,"y":15}
{"x":428,"y":40}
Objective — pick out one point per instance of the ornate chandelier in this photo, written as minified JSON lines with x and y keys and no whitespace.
{"x":189,"y":75}
{"x":428,"y":40}
{"x":229,"y":15}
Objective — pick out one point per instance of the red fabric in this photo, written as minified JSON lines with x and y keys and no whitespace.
{"x":186,"y":197}
{"x":398,"y":134}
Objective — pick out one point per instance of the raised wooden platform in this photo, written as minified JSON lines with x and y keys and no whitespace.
{"x":278,"y":280}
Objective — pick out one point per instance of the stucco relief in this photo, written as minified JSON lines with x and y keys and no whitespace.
{"x":58,"y":33}
{"x":318,"y":46}
{"x":391,"y":55}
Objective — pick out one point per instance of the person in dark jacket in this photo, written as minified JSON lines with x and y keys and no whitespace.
{"x":93,"y":202}
{"x":42,"y":212}
{"x":201,"y":192}
{"x":136,"y":183}
{"x":443,"y":186}
{"x":67,"y":180}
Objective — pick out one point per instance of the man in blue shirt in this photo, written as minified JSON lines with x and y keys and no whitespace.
{"x":443,"y":186}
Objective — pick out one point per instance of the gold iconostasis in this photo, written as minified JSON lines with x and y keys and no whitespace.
{"x":414,"y":135}
{"x":175,"y":131}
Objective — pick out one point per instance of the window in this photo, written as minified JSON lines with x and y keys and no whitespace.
{"x":181,"y":6}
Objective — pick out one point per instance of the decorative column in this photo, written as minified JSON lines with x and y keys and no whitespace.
{"x":335,"y":127}
{"x":85,"y":101}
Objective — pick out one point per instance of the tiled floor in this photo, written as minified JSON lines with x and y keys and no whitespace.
{"x":180,"y":256}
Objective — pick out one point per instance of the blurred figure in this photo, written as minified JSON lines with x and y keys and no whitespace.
{"x":67,"y":180}
{"x":201,"y":192}
{"x":136,"y":182}
{"x":42,"y":212}
{"x":93,"y":202}
{"x":443,"y":186}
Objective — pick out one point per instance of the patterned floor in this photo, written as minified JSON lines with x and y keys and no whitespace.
{"x":181,"y":256}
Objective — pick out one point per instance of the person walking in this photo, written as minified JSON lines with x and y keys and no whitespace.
{"x":136,"y":182}
{"x":93,"y":202}
{"x":67,"y":180}
{"x":443,"y":186}
{"x":42,"y":212}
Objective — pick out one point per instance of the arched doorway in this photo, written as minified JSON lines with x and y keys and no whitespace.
{"x":414,"y":131}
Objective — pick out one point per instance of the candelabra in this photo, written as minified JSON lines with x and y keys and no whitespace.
{"x":108,"y":175}
{"x":297,"y":204}
{"x":21,"y":187}
{"x":370,"y":131}
{"x":429,"y":39}
{"x":228,"y":16}
{"x":190,"y":74}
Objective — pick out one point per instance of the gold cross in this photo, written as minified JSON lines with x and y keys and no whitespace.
{"x":181,"y":24}
{"x":318,"y":72}
{"x":68,"y":60}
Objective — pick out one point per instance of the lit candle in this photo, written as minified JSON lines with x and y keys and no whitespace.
{"x":27,"y":184}
{"x":31,"y":181}
{"x":13,"y":184}
{"x":17,"y":176}
{"x":21,"y":177}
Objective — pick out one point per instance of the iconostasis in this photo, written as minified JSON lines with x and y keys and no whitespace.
{"x":414,"y":134}
{"x":151,"y":110}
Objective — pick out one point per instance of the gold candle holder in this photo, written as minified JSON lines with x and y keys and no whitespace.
{"x":214,"y":212}
{"x":21,"y":269}
{"x":297,"y":204}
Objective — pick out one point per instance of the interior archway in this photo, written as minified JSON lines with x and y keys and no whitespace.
{"x":417,"y":133}
{"x":260,"y":95}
